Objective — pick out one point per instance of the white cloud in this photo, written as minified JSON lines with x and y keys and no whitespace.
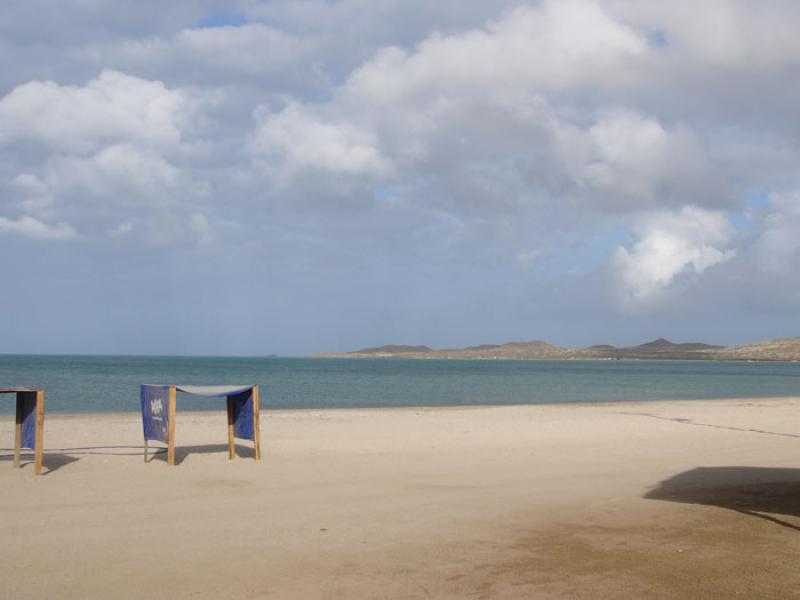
{"x":110,"y":109}
{"x":484,"y":118}
{"x":637,"y":161}
{"x":34,"y":195}
{"x":300,"y":139}
{"x":30,"y":185}
{"x":670,"y":244}
{"x":119,"y":172}
{"x":119,"y":149}
{"x":28,"y":226}
{"x":554,"y":47}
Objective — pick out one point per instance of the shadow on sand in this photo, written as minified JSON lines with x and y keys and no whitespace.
{"x":51,"y":461}
{"x":55,"y":458}
{"x":751,"y":491}
{"x":182,"y":452}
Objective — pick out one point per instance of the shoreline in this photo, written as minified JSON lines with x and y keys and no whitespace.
{"x":266,"y":410}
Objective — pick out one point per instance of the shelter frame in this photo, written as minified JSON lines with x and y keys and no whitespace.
{"x":236,"y":399}
{"x":28,"y":424}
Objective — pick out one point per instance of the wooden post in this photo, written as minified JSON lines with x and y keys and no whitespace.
{"x":39,"y":441}
{"x":171,"y":427}
{"x":256,"y":424}
{"x":231,"y":442}
{"x":145,"y":449}
{"x":18,"y":431}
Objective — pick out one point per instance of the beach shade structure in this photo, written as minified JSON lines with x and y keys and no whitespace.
{"x":158,"y":414}
{"x":29,"y":430}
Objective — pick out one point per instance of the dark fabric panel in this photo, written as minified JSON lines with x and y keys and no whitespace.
{"x":243,"y":415}
{"x":28,"y":418}
{"x":155,"y":412}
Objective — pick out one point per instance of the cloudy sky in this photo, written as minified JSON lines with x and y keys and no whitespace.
{"x":285,"y":176}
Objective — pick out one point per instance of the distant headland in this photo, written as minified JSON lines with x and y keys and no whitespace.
{"x":783,"y":349}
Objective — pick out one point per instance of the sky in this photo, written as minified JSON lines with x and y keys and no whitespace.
{"x":254,"y":177}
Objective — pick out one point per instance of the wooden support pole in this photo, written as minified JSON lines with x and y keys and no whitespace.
{"x":38,"y":448}
{"x":18,"y":431}
{"x":231,"y":442}
{"x":145,"y":449}
{"x":256,"y":423}
{"x":171,"y":426}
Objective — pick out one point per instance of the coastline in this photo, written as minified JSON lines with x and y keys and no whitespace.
{"x":781,"y":349}
{"x":688,"y":359}
{"x":267,"y":410}
{"x":637,"y":499}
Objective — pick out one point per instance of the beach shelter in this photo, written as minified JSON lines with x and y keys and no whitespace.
{"x":29,"y":430}
{"x":158,"y":414}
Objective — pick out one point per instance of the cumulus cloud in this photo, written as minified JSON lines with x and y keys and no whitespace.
{"x":300,"y":139}
{"x":668,"y":245}
{"x":484,"y":121}
{"x":555,"y":47}
{"x":113,"y":149}
{"x":35,"y":196}
{"x":112,"y":108}
{"x":637,"y":162}
{"x":126,"y":170}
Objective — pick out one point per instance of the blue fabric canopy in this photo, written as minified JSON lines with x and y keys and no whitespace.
{"x":212,"y":391}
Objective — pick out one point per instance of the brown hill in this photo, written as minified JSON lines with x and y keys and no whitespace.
{"x":664,"y":345}
{"x":785,"y":349}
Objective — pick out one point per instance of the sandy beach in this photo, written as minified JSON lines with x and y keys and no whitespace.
{"x":636,"y":500}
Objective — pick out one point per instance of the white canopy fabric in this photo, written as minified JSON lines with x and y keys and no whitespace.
{"x":213,"y":390}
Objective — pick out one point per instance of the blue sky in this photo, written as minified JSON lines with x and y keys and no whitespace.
{"x":288,"y":177}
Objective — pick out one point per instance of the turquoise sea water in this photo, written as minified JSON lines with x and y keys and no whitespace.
{"x":76,"y":384}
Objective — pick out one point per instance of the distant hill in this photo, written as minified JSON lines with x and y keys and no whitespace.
{"x":784,"y":349}
{"x":483,"y":347}
{"x":780,"y":349}
{"x":394,"y":349}
{"x":664,"y":345}
{"x":666,"y":350}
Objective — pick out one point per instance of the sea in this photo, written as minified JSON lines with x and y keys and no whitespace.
{"x":106,"y":384}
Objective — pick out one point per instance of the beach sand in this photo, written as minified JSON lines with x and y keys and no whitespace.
{"x":636,"y":500}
